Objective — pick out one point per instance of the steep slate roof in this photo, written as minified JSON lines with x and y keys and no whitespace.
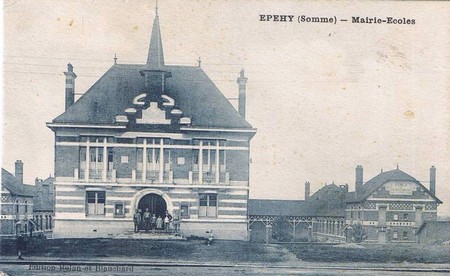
{"x":373,"y":184}
{"x":193,"y":91}
{"x":14,"y":187}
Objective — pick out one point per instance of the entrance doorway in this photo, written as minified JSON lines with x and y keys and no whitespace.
{"x":155,"y":204}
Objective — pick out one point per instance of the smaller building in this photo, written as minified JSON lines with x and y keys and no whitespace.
{"x":392,"y":206}
{"x":44,"y":205}
{"x":25,"y":209}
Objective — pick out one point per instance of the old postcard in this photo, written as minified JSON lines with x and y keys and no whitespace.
{"x":144,"y":137}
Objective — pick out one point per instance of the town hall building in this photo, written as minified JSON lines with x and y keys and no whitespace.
{"x":151,"y":136}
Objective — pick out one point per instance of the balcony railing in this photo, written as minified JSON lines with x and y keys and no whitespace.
{"x":208,"y":177}
{"x":95,"y":175}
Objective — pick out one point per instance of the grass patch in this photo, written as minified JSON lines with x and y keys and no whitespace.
{"x":191,"y":250}
{"x":375,"y":253}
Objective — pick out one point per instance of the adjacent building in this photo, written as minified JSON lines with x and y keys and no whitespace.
{"x":392,"y":206}
{"x":44,"y":205}
{"x":153,"y":136}
{"x":21,"y":211}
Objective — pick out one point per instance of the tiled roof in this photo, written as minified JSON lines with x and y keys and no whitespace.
{"x":328,"y":201}
{"x":14,"y":187}
{"x":269,"y":207}
{"x":194,"y":93}
{"x":370,"y":186}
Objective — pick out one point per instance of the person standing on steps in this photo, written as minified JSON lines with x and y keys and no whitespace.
{"x":153,"y":222}
{"x":147,"y":220}
{"x":176,"y":222}
{"x":166,"y":223}
{"x":159,"y":223}
{"x":137,"y":218}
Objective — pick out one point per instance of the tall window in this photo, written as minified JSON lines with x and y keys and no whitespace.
{"x":395,"y":216}
{"x":184,"y":210}
{"x":95,"y":202}
{"x":208,"y":205}
{"x":395,"y":235}
{"x":26,"y":206}
{"x":405,"y":217}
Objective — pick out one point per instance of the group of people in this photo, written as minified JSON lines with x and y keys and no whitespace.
{"x":149,"y":221}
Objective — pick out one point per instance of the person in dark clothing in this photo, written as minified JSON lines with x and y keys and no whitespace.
{"x":137,"y":220}
{"x":147,"y":216}
{"x":21,"y":246}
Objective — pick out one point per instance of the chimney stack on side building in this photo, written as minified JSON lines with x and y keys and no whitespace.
{"x":359,"y":178}
{"x":307,"y":190}
{"x":433,"y":180}
{"x":18,"y":171}
{"x":242,"y":81}
{"x":70,"y":86}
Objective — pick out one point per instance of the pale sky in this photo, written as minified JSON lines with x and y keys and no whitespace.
{"x":323,"y":97}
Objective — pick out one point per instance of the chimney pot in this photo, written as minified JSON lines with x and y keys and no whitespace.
{"x":359,"y":178}
{"x":307,"y":190}
{"x":18,"y":172}
{"x":70,"y":85}
{"x":242,"y":81}
{"x":433,"y":180}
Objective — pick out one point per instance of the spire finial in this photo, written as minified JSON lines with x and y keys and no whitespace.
{"x":155,"y":58}
{"x":397,"y":166}
{"x":156,"y":8}
{"x":199,"y":61}
{"x":115,"y":58}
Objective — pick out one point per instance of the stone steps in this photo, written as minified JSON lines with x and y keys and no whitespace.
{"x":151,"y":235}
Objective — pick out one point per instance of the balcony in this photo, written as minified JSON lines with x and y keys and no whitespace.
{"x":95,"y":175}
{"x":209,"y":178}
{"x":152,"y":176}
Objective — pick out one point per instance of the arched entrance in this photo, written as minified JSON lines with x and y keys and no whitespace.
{"x":155,"y":204}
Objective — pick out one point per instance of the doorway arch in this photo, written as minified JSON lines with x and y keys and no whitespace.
{"x":141,"y":194}
{"x":154,"y":203}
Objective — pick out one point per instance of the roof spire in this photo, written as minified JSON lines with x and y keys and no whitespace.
{"x":155,"y":58}
{"x":199,"y":62}
{"x":115,"y":58}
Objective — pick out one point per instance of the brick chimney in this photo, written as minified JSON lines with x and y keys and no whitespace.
{"x":433,"y":180}
{"x":358,"y":178}
{"x":242,"y":81}
{"x":70,"y":86}
{"x":18,"y":172}
{"x":307,"y":190}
